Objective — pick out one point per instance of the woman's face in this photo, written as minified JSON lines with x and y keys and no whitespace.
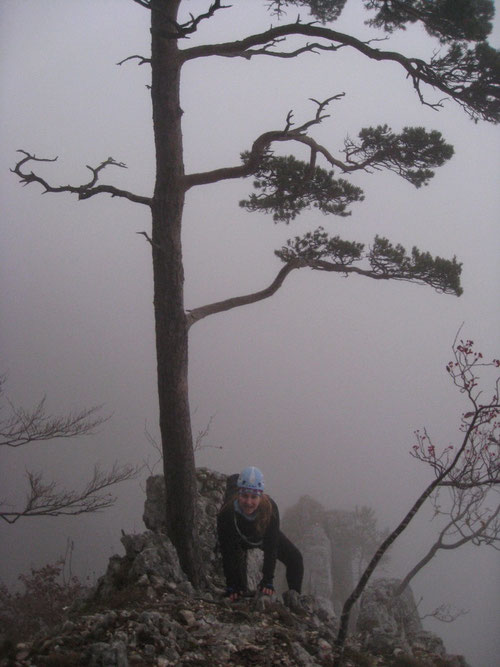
{"x":248,"y":501}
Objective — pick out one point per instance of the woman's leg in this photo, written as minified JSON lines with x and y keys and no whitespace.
{"x":241,"y":559}
{"x":291,"y":558}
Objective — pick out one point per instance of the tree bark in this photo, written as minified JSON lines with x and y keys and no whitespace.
{"x":170,"y":320}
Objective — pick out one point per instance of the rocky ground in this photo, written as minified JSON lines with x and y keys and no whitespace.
{"x":142,"y":625}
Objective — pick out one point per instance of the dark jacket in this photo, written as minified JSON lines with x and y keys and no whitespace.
{"x":236,"y":534}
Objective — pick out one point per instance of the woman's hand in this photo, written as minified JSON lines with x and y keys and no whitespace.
{"x":233,"y":594}
{"x":265,"y":588}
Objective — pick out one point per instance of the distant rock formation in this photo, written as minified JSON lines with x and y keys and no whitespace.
{"x":327,"y":548}
{"x":385,"y":624}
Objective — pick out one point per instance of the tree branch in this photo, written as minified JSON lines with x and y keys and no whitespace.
{"x":24,"y":426}
{"x":180,"y":30}
{"x":142,"y":60}
{"x":386,"y":261}
{"x":410,"y":154}
{"x":278,"y":34}
{"x":475,"y":535}
{"x":351,"y":600}
{"x":321,"y":265}
{"x":309,"y":252}
{"x":445,"y":613}
{"x":45,"y":499}
{"x":228,"y":304}
{"x":469,"y":88}
{"x":84,"y":191}
{"x":266,"y":50}
{"x":463,"y":378}
{"x":261,"y":146}
{"x":21,"y":427}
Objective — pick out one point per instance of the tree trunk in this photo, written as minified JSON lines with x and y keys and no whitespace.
{"x":168,"y":274}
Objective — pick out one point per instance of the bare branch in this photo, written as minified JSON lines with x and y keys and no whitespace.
{"x":192,"y":25}
{"x":267,"y":50}
{"x":445,"y":613}
{"x":180,"y":30}
{"x":45,"y":499}
{"x":479,"y":463}
{"x":154,"y":444}
{"x":475,"y":473}
{"x":202,"y":434}
{"x":148,"y":239}
{"x":278,"y":34}
{"x":84,"y":191}
{"x":469,"y":520}
{"x":142,"y":60}
{"x":22,"y":426}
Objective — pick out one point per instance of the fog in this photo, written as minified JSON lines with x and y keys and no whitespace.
{"x":321,"y":386}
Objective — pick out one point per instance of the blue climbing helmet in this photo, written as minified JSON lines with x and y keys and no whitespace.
{"x":251,"y":478}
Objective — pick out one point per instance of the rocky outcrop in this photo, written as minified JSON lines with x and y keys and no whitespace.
{"x":385,"y":621}
{"x":150,"y":558}
{"x":211,"y":489}
{"x":172,"y":625}
{"x":390,"y":625}
{"x":176,"y":628}
{"x":145,"y":612}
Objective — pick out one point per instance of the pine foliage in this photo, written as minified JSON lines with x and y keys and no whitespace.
{"x":288,"y":186}
{"x":382,"y":260}
{"x":410,"y":154}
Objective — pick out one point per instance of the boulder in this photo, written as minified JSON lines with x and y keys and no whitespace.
{"x":390,"y":624}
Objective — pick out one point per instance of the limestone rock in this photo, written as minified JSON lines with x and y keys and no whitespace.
{"x":386,"y":622}
{"x":176,"y":629}
{"x":150,"y":559}
{"x":317,"y":554}
{"x":389,"y":625}
{"x":211,"y":490}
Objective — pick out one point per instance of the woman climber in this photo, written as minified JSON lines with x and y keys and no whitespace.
{"x":250,"y":520}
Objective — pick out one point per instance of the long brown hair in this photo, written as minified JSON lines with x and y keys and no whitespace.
{"x":264,"y":512}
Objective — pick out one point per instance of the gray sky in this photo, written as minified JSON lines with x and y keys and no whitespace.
{"x":321,"y":386}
